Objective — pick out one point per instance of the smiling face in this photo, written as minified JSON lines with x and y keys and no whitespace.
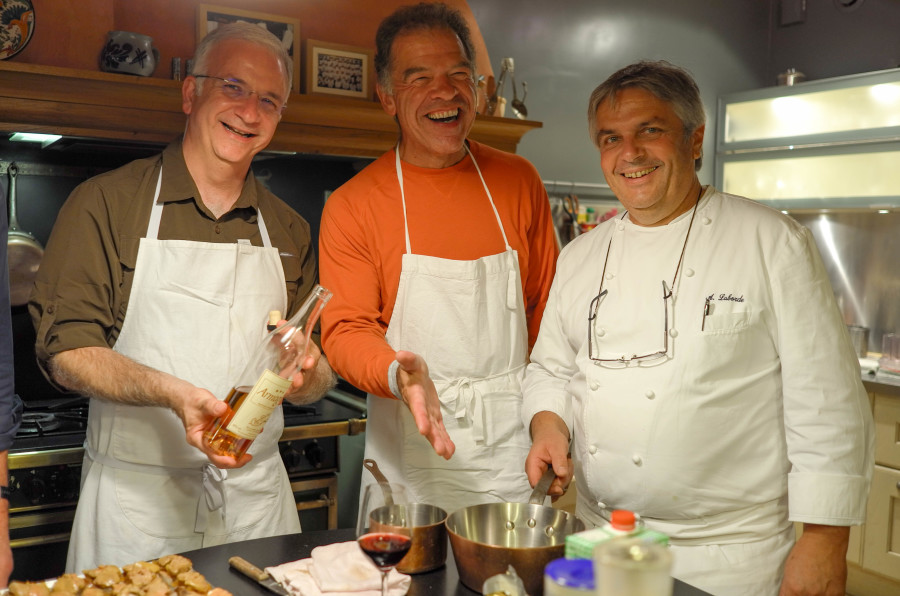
{"x":647,"y":161}
{"x":433,"y":97}
{"x":226,"y":131}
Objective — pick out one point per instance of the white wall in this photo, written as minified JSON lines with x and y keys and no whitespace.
{"x":564,"y":49}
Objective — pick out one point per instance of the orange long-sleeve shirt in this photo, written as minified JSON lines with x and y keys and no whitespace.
{"x":362,"y":241}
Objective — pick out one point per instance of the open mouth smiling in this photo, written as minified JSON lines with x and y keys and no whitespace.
{"x":639,"y":173}
{"x":246,"y":135}
{"x":443,"y":116}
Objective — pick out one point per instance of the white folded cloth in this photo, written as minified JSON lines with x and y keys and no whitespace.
{"x":336,"y":570}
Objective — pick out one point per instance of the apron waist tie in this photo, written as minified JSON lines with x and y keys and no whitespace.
{"x":467,"y":401}
{"x":212,"y":480}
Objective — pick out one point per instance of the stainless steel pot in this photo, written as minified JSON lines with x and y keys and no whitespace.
{"x":24,"y":252}
{"x":486,"y":539}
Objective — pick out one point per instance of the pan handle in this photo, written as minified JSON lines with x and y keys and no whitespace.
{"x":540,"y":489}
{"x":371,"y":466}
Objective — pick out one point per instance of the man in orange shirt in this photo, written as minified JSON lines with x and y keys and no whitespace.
{"x":442,"y":252}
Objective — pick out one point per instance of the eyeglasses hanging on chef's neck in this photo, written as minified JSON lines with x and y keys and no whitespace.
{"x":651,"y":358}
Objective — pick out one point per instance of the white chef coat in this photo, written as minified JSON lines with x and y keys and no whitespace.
{"x":756,"y":416}
{"x":146,"y":492}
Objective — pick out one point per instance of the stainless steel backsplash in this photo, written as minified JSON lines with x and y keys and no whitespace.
{"x":861,"y":252}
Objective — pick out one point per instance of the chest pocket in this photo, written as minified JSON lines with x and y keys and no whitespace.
{"x":726,"y":316}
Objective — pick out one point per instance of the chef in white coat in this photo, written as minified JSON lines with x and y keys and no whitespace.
{"x":207,"y":252}
{"x":693,"y":359}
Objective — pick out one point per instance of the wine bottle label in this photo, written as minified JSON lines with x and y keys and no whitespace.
{"x":261,"y":401}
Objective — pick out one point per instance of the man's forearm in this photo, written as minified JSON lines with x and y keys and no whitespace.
{"x":108,"y":375}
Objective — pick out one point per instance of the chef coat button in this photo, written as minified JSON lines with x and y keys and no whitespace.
{"x":706,"y":221}
{"x":594,"y":386}
{"x":649,"y":394}
{"x":620,"y":227}
{"x":673,"y":332}
{"x":592,"y":449}
{"x":689,"y":272}
{"x":601,"y":332}
{"x":601,"y":504}
{"x":610,"y":275}
{"x":218,"y":229}
{"x":637,"y":460}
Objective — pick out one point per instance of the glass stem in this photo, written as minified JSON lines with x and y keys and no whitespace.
{"x":384,"y":583}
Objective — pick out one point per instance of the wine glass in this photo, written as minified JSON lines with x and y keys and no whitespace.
{"x":383,"y":530}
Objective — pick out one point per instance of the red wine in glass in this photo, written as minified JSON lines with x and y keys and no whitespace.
{"x":385,"y":549}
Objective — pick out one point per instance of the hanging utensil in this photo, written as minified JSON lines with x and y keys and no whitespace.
{"x":498,"y":89}
{"x":24,"y":252}
{"x":518,"y":105}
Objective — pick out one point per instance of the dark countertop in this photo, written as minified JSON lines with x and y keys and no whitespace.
{"x":212,"y":562}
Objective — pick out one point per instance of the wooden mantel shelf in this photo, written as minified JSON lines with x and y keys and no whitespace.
{"x":49,"y":99}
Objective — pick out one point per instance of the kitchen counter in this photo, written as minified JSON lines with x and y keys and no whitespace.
{"x":212,"y":562}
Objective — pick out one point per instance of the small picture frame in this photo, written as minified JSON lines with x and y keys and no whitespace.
{"x":286,"y":29}
{"x":338,"y":69}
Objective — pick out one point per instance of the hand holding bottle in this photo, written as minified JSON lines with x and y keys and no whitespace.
{"x":272,"y":370}
{"x":197,"y":409}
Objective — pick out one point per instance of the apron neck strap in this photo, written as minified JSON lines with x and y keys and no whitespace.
{"x":156,"y":217}
{"x":399,"y":169}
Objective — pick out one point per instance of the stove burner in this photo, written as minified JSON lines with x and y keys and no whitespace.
{"x":37,"y":423}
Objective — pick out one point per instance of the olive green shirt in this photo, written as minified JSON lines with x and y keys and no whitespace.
{"x":82,"y":288}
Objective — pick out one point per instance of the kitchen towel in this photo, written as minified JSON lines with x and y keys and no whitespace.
{"x":336,"y":570}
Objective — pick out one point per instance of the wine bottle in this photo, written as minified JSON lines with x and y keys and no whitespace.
{"x":265,"y":379}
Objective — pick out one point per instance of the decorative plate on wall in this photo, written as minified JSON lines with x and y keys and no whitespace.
{"x":16,"y":26}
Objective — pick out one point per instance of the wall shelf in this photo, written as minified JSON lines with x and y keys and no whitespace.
{"x":71,"y":102}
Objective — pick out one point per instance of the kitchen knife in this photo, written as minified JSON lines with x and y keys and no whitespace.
{"x":257,"y":574}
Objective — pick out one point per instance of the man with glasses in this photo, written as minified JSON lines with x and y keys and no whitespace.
{"x":157,"y":282}
{"x":693,"y":367}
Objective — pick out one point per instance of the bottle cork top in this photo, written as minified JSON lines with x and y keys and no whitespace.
{"x":274,"y":317}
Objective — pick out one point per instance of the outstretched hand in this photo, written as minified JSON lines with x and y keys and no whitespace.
{"x":420,"y":396}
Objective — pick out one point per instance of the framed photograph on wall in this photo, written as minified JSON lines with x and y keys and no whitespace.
{"x":337,"y":69}
{"x":286,"y":29}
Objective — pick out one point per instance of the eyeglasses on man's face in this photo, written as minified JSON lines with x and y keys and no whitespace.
{"x":624,"y":360}
{"x":238,"y":91}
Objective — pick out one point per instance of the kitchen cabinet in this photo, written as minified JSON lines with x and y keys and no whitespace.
{"x":874,"y":553}
{"x":83,"y":103}
{"x":826,"y":143}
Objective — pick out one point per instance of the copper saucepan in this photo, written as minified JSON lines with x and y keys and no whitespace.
{"x":24,"y":252}
{"x":429,"y":535}
{"x":486,"y":539}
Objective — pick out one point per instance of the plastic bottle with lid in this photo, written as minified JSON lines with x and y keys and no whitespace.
{"x":569,"y":577}
{"x":622,"y":521}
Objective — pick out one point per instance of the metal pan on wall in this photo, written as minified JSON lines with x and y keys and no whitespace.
{"x":24,"y":252}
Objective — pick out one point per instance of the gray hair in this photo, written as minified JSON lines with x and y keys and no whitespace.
{"x":666,"y":81}
{"x":417,"y":17}
{"x":242,"y":31}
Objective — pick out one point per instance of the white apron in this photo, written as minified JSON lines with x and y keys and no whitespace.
{"x":467,"y":320}
{"x":194,"y":312}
